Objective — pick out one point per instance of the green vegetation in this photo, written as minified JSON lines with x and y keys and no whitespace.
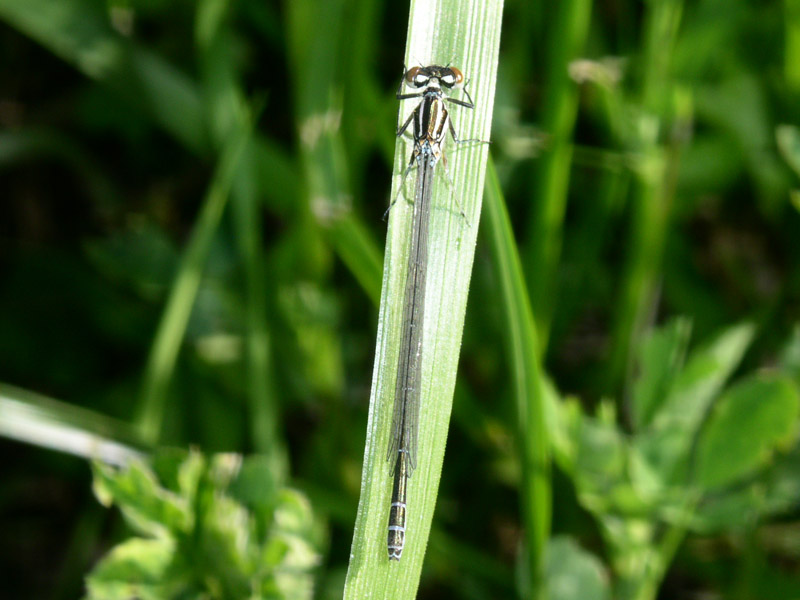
{"x":219,"y":528}
{"x":193,"y":262}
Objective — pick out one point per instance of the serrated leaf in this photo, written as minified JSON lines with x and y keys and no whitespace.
{"x":147,"y":507}
{"x":775,"y":491}
{"x":220,"y":549}
{"x":707,"y":370}
{"x":749,"y":423}
{"x":166,"y":464}
{"x":227,"y":548}
{"x":255,"y":484}
{"x":135,"y":568}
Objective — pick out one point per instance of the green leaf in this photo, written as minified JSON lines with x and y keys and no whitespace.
{"x":572,"y":573}
{"x":147,"y":507}
{"x":774,"y":491}
{"x":255,"y":485}
{"x":782,"y":483}
{"x":789,"y":360}
{"x":536,"y":400}
{"x":665,"y":445}
{"x":662,"y":356}
{"x":601,"y":462}
{"x":707,"y":370}
{"x":751,"y":421}
{"x":788,"y":138}
{"x":221,"y":549}
{"x":135,"y":568}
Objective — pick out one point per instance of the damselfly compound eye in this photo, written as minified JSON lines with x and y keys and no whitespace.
{"x":417,"y":77}
{"x":457,"y":75}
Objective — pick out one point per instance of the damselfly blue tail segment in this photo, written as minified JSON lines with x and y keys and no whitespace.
{"x":432,"y":122}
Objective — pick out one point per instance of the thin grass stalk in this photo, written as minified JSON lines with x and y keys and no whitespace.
{"x":654,"y":176}
{"x":465,"y":33}
{"x":791,"y":62}
{"x":79,"y":32}
{"x":560,"y":109}
{"x":172,"y":326}
{"x":227,"y":110}
{"x":524,"y":357}
{"x":324,"y":152}
{"x":265,"y":423}
{"x":34,"y":419}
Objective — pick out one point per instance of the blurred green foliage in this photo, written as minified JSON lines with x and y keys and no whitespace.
{"x":217,"y":528}
{"x":181,"y":267}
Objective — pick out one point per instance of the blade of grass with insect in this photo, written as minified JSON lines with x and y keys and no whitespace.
{"x":465,"y":34}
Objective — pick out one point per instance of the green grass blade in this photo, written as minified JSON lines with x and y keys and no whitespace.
{"x":655,"y":181}
{"x":29,"y":417}
{"x":79,"y":32}
{"x":323,"y":147}
{"x":523,"y":353}
{"x":356,"y":247}
{"x":264,"y":408}
{"x":560,"y":111}
{"x":465,"y":34}
{"x":791,"y":63}
{"x":227,"y":109}
{"x":172,"y":327}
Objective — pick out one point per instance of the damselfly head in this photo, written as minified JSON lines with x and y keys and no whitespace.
{"x":431,"y":75}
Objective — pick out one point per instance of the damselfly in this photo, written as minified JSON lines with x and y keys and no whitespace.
{"x":432,"y":121}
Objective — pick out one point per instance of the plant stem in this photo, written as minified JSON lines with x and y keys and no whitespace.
{"x":654,"y":180}
{"x":172,"y":327}
{"x":571,"y":23}
{"x":524,"y":357}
